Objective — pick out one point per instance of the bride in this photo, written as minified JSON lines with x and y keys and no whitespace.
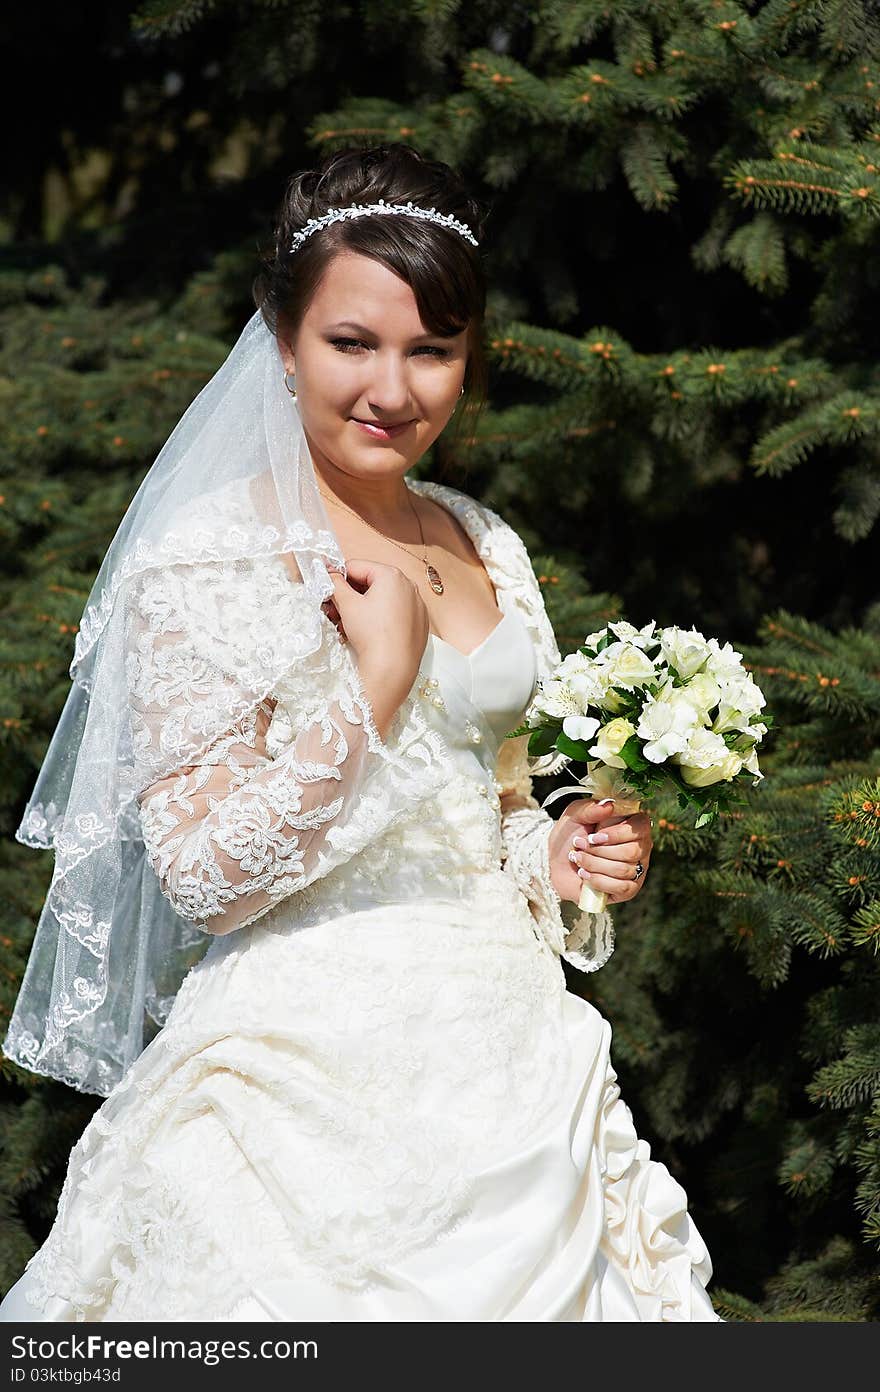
{"x":306,"y":920}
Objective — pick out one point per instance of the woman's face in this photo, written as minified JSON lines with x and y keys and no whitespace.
{"x":387,"y":370}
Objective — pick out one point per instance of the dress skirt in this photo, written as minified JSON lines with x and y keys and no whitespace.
{"x":399,"y":1114}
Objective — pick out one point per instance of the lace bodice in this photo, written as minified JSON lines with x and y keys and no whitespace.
{"x":288,"y":813}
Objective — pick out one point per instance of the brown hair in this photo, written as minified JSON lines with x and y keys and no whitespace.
{"x":445,"y":271}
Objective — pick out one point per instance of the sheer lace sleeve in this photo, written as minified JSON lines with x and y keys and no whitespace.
{"x":232,"y":835}
{"x":277,"y":796}
{"x":585,"y":940}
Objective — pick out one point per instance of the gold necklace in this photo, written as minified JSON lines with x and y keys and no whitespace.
{"x":431,"y":571}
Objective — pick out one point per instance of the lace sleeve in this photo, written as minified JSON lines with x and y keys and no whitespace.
{"x":279,"y":796}
{"x":228,"y":840}
{"x":585,"y":940}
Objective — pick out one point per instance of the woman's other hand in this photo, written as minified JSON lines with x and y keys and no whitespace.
{"x":609,"y":847}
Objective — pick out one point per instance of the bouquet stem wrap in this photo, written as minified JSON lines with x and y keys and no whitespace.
{"x":600,"y":782}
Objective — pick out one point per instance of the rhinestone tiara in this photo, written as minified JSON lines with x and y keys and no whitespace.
{"x":362,"y":209}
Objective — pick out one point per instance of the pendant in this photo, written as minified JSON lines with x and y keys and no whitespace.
{"x":434,"y":579}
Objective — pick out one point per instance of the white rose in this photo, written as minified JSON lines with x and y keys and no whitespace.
{"x":580,"y":727}
{"x":678,"y":696}
{"x":611,"y":702}
{"x":666,"y":726}
{"x":706,"y":759}
{"x":626,"y":665}
{"x":703,"y":749}
{"x":612,"y":738}
{"x":685,"y":651}
{"x":704,"y":777}
{"x":703,"y":692}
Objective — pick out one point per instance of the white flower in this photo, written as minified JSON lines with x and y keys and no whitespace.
{"x":580,"y":674}
{"x":685,"y":651}
{"x":666,"y":726}
{"x":570,"y":695}
{"x":638,"y":637}
{"x":750,"y":762}
{"x":610,"y":702}
{"x":586,"y":687}
{"x":580,"y":727}
{"x":612,"y":738}
{"x":555,"y":698}
{"x":575,"y":662}
{"x":680,"y":696}
{"x":740,"y":700}
{"x":706,"y":759}
{"x":702,"y":692}
{"x":723,"y":662}
{"x":623,"y":664}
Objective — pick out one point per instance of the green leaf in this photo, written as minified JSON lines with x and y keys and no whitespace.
{"x":576,"y":749}
{"x":629,"y":698}
{"x":543,"y":740}
{"x":632,"y":755}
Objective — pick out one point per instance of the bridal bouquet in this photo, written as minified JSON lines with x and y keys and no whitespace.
{"x":646,"y":707}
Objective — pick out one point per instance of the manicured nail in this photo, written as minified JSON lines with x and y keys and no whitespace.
{"x":584,"y":874}
{"x":597,"y":838}
{"x":580,"y":843}
{"x":603,"y":802}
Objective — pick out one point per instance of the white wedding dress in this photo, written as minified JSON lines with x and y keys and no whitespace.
{"x":389,"y":1109}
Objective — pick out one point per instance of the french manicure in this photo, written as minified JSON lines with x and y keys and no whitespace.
{"x":597,"y":838}
{"x":603,"y":801}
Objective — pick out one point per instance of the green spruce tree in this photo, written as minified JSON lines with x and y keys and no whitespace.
{"x":682,"y":426}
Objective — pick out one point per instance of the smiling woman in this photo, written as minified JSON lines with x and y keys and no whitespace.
{"x":388,"y":385}
{"x":398,"y":301}
{"x":371,"y":1097}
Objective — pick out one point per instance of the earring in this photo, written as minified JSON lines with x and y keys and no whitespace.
{"x":461,"y":394}
{"x":292,"y":389}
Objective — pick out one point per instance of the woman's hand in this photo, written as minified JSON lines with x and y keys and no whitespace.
{"x":383,"y":618}
{"x":618,"y":844}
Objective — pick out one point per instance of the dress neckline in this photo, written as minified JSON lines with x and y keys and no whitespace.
{"x":424,"y":485}
{"x":468,"y":657}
